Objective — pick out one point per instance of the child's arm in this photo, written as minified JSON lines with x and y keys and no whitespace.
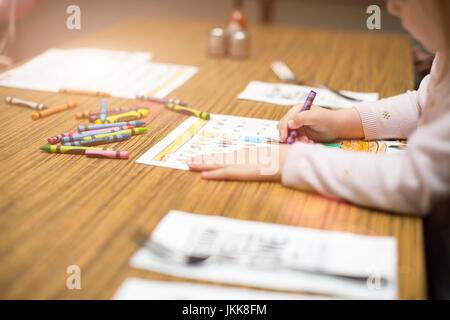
{"x":408,"y":181}
{"x":390,"y":118}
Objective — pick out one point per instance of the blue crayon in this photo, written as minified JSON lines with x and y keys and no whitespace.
{"x":109,"y":125}
{"x":94,"y":142}
{"x":259,"y":140}
{"x":103,"y":111}
{"x":77,"y":137}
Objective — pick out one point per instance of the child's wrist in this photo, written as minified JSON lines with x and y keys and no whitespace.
{"x":348,"y":124}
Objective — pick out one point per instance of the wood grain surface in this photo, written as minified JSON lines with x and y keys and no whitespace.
{"x":59,"y":210}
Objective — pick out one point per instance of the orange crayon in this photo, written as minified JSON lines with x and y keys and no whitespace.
{"x":47,"y":112}
{"x":85,"y":92}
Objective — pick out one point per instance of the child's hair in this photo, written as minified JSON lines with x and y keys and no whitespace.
{"x":438,"y":12}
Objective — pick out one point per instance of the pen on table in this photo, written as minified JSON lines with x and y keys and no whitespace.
{"x":306,"y":106}
{"x":30,"y":104}
{"x":85,"y":92}
{"x":190,"y":111}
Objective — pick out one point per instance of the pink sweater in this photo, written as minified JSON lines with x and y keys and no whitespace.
{"x":411,"y":181}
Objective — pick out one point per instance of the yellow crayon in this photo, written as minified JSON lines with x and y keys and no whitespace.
{"x":133,"y":132}
{"x":127,"y":116}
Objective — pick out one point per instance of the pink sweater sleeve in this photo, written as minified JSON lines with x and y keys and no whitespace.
{"x":408,"y":181}
{"x":395,"y":117}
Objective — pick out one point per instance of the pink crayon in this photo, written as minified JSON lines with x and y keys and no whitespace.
{"x":107,"y":154}
{"x":108,"y":129}
{"x":57,"y":138}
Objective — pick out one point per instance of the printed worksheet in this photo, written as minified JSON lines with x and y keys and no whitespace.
{"x":220,"y":134}
{"x":223,"y":133}
{"x":290,"y":94}
{"x":141,"y":289}
{"x":271,"y":256}
{"x":119,"y":73}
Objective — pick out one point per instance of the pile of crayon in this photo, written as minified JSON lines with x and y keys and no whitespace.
{"x":87,"y":137}
{"x":109,"y":126}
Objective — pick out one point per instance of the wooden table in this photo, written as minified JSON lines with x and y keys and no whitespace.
{"x":61,"y":210}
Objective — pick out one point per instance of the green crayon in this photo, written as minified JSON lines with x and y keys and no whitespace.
{"x":190,"y":111}
{"x":133,"y":132}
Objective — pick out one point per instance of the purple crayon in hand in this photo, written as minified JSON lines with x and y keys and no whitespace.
{"x":306,"y":106}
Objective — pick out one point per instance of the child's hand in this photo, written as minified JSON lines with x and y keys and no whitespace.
{"x":316,"y":124}
{"x":259,"y":164}
{"x":320,"y":124}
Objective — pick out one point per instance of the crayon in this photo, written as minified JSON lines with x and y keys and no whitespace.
{"x":95,"y":142}
{"x":161,"y":100}
{"x":87,"y":114}
{"x":30,"y":104}
{"x":127,"y":116}
{"x":306,"y":106}
{"x":58,"y":137}
{"x":71,"y":150}
{"x":107,"y":154}
{"x":112,"y":128}
{"x":103,"y":111}
{"x":103,"y":132}
{"x":132,"y":132}
{"x":94,"y":117}
{"x":190,"y":111}
{"x":47,"y":112}
{"x":109,"y":125}
{"x":85,"y":92}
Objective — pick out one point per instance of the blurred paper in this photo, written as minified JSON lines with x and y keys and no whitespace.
{"x":271,"y":256}
{"x":140,"y":289}
{"x":290,"y":94}
{"x":119,"y":73}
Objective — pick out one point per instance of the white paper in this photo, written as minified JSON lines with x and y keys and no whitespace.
{"x":140,"y":289}
{"x":119,"y":73}
{"x":272,"y":256}
{"x":290,"y":94}
{"x":220,"y":134}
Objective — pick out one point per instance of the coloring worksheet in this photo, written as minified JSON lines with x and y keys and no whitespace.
{"x":272,"y":256}
{"x":220,"y":134}
{"x":225,"y":133}
{"x":290,"y":94}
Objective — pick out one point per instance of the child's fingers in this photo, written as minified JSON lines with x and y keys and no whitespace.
{"x":301,"y":119}
{"x":282,"y":124}
{"x":204,"y":162}
{"x":242,"y":173}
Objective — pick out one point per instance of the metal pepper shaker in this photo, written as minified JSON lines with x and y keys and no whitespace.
{"x":217,"y":42}
{"x":238,"y":45}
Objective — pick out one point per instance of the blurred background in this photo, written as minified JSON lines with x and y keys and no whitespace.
{"x":45,"y":20}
